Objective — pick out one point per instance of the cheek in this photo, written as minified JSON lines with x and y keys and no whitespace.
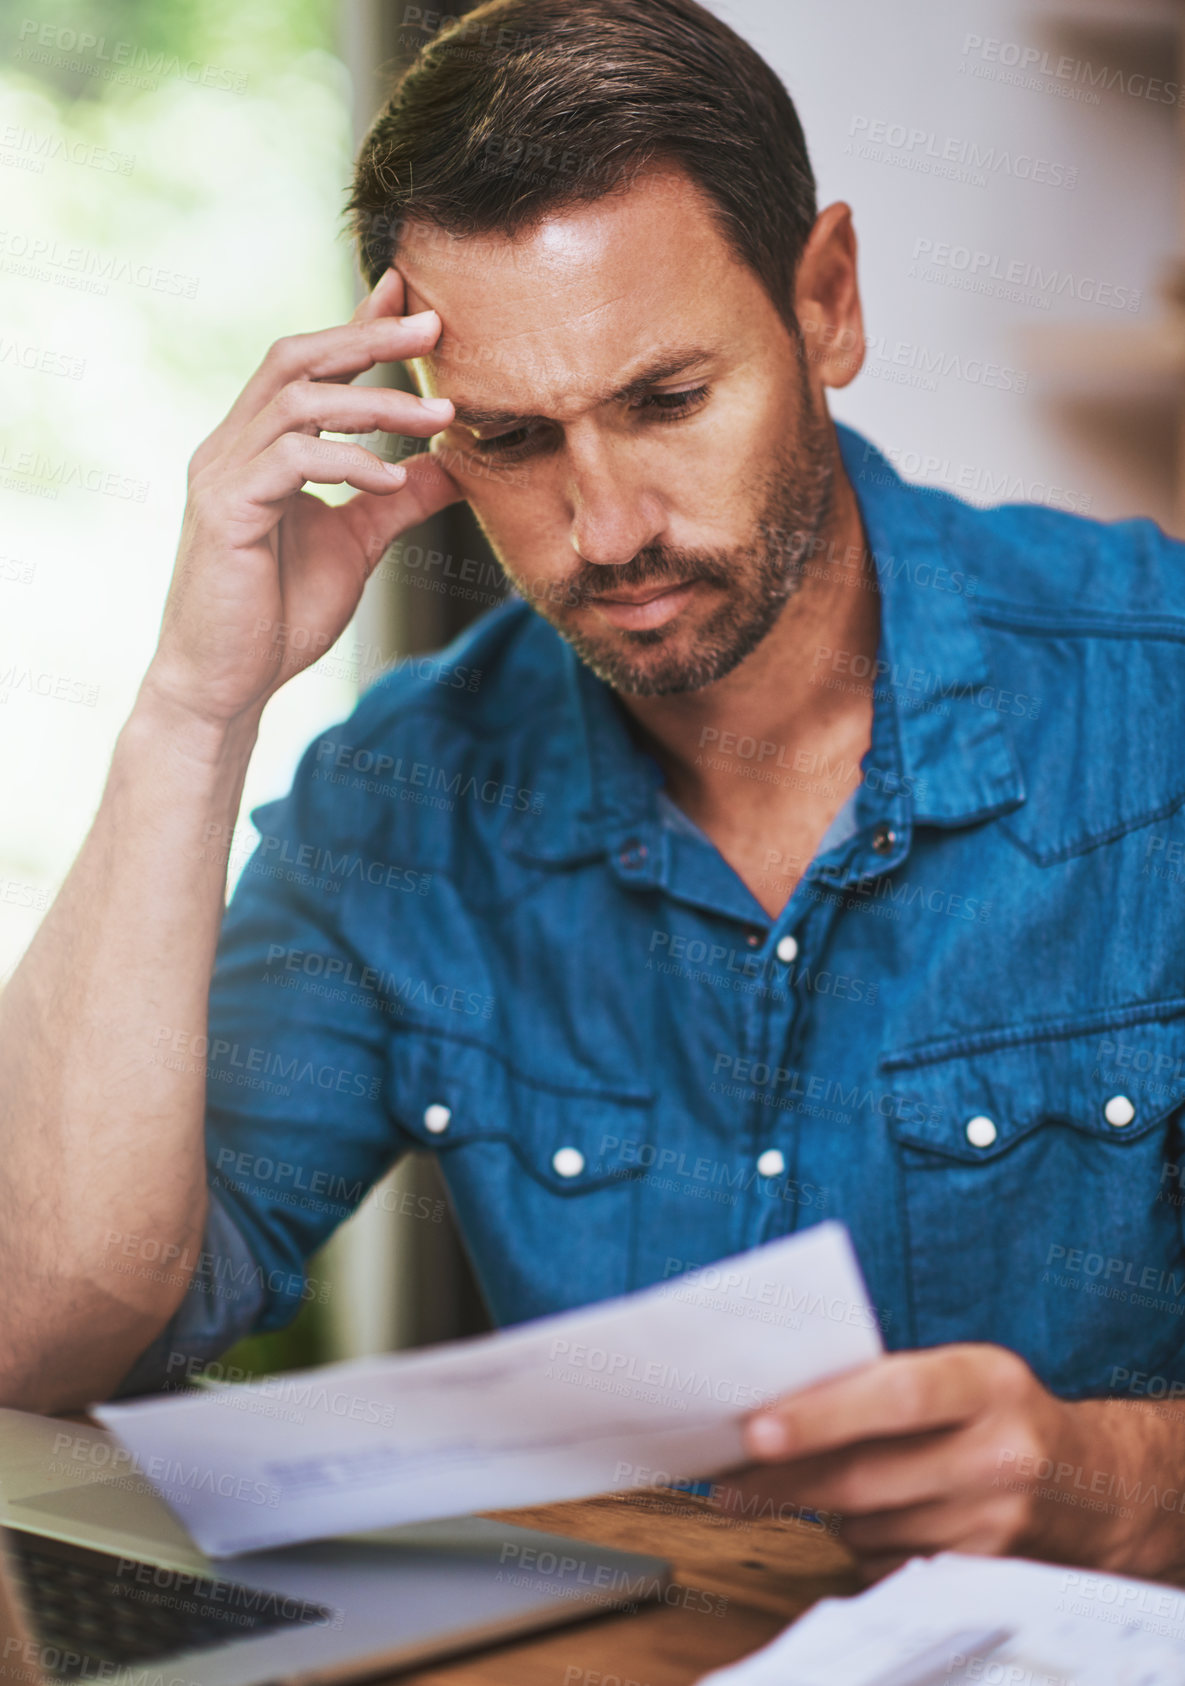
{"x":709,"y":484}
{"x":490,"y":494}
{"x":705,"y":478}
{"x":525,"y":523}
{"x":705,"y":466}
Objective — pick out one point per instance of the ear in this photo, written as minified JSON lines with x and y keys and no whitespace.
{"x":827,"y":300}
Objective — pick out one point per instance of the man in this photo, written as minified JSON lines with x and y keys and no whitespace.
{"x":787,"y":850}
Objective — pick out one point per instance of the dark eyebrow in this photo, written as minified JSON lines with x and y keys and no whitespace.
{"x":662,"y":369}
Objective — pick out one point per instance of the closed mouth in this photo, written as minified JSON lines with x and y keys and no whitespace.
{"x":634,"y":600}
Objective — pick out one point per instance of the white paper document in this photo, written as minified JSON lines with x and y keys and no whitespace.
{"x":632,"y":1392}
{"x":954,"y":1620}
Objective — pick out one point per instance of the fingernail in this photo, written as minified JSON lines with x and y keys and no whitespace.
{"x":396,"y":470}
{"x":767,"y":1437}
{"x":420,"y":318}
{"x":438,"y":406}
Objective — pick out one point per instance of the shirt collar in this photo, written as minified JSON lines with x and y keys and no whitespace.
{"x":934,"y":684}
{"x":599,"y":786}
{"x":934,"y":708}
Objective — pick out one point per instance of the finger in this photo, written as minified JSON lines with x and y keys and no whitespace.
{"x":374,"y":520}
{"x":902,"y":1393}
{"x":386,"y":298}
{"x":932,"y":1526}
{"x":943,"y":1524}
{"x":339,"y":353}
{"x":299,"y":459}
{"x":876,"y":1476}
{"x":889,"y":1474}
{"x":315,"y":406}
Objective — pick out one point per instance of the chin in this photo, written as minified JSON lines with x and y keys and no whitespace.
{"x":652,"y":663}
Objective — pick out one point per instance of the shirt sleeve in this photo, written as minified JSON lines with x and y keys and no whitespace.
{"x":298,"y":1127}
{"x":221,"y":1304}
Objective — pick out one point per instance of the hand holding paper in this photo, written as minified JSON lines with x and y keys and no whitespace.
{"x":651,"y":1387}
{"x":961,"y":1448}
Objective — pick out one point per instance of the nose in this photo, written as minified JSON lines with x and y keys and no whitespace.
{"x":614,"y":513}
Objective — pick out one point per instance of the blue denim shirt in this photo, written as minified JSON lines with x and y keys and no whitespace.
{"x":476,"y":926}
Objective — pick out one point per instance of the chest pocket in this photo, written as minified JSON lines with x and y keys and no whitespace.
{"x":1041,"y":1189}
{"x":543,"y":1176}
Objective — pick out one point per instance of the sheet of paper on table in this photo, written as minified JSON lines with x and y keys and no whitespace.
{"x":647,"y":1388}
{"x":953,"y":1620}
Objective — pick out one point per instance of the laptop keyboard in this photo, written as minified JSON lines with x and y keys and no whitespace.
{"x":90,"y":1608}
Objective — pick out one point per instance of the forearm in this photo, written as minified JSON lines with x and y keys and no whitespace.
{"x":103,"y":1187}
{"x":102,"y":1140}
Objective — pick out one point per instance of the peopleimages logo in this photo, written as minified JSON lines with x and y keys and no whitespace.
{"x":926,"y":152}
{"x":180,"y":1479}
{"x":120,"y":61}
{"x":1036,"y":68}
{"x":1031,"y":282}
{"x":83,"y":269}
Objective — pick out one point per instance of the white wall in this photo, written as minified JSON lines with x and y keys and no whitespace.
{"x":1106,"y":447}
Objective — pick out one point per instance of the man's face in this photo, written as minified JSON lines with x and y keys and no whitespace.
{"x":634,"y":428}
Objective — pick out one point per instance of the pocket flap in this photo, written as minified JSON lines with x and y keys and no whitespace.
{"x":1114,"y":1075}
{"x":449,"y":1091}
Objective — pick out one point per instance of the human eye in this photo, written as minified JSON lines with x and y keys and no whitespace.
{"x":672,"y":405}
{"x":509,"y":446}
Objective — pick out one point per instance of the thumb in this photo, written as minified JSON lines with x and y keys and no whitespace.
{"x":376,"y":518}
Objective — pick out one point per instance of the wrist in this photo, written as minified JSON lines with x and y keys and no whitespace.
{"x":1136,"y":1474}
{"x":207,"y":740}
{"x":1148,"y":1445}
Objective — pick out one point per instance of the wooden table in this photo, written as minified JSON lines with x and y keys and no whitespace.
{"x":738,"y":1581}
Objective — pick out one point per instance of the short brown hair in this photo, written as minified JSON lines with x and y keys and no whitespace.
{"x":522,"y":106}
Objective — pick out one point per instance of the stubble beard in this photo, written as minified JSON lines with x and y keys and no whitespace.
{"x":754,"y":581}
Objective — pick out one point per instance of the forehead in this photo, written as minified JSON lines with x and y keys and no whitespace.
{"x":586,"y":292}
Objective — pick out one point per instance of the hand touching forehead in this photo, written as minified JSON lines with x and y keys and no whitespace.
{"x":550,"y":321}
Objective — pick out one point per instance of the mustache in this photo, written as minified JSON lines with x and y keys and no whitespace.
{"x":656,"y":565}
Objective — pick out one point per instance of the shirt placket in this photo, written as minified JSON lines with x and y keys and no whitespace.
{"x":793,"y":953}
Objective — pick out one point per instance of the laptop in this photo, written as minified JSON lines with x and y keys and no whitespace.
{"x":99,"y":1582}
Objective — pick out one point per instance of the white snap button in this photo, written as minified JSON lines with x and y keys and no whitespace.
{"x":1119,"y":1111}
{"x":787,"y":949}
{"x":772,"y":1162}
{"x":981,"y":1132}
{"x":437,"y":1117}
{"x":567,"y":1162}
